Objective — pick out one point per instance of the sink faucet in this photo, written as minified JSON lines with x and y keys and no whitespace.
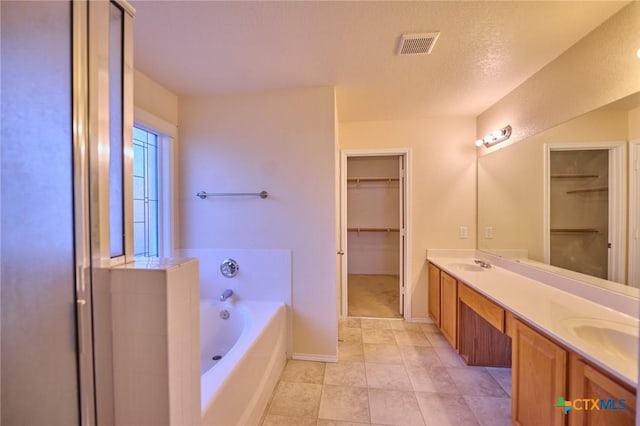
{"x":482,"y":263}
{"x":226,"y":294}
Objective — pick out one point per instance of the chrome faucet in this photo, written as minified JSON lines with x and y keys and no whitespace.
{"x":482,"y":263}
{"x":226,"y":294}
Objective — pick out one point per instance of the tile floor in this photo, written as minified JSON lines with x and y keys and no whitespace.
{"x":390,"y":372}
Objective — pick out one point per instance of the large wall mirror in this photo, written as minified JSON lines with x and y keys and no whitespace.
{"x":568,"y":199}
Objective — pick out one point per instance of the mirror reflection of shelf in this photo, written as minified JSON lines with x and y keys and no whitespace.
{"x":575,"y":230}
{"x":373,"y":179}
{"x":582,"y":191}
{"x":373,"y":230}
{"x":574,"y":176}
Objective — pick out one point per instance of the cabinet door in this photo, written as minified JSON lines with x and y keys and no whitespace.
{"x":434,"y":293}
{"x":538,"y":378}
{"x":588,"y":383}
{"x":449,"y":308}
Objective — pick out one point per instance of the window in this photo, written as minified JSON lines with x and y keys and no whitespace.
{"x":145,"y":193}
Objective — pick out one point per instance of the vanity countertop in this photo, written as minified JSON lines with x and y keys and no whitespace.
{"x":594,"y":331}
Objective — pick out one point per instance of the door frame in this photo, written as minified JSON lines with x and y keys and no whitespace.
{"x":633,"y":273}
{"x":405,"y":265}
{"x":617,"y":201}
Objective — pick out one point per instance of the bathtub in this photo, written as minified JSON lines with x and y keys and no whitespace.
{"x":252,"y":345}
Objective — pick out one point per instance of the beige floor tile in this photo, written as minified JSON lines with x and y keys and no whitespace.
{"x":349,"y":322}
{"x":378,"y":335}
{"x":407,"y":326}
{"x":438,"y":340}
{"x":445,"y":410}
{"x":271,"y":420}
{"x":423,"y":355}
{"x":344,"y":403}
{"x":490,"y":411}
{"x":349,"y":334}
{"x":326,"y":422}
{"x":475,"y":381}
{"x":296,"y":400}
{"x":502,"y":376}
{"x":377,"y":352}
{"x":350,"y":351}
{"x":392,"y":407}
{"x":387,"y":376}
{"x":430,"y":328}
{"x":410,"y":337}
{"x":303,"y":371}
{"x":431,"y":379}
{"x":374,"y":323}
{"x":345,"y":373}
{"x":449,"y":357}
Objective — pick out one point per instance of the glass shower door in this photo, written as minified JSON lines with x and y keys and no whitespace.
{"x":39,"y":356}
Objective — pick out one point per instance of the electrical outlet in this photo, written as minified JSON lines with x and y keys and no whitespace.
{"x":464,"y":232}
{"x":488,"y":232}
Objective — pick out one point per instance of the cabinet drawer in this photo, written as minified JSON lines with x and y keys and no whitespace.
{"x":484,"y":307}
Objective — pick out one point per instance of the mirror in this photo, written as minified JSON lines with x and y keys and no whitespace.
{"x":514,"y":183}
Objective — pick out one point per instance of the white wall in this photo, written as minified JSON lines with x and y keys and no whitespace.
{"x":599,"y":69}
{"x":282,"y":142}
{"x":443,"y":179}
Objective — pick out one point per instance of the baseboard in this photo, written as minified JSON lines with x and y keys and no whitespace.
{"x":314,"y":357}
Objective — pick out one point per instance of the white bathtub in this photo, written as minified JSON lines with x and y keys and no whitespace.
{"x":236,"y":389}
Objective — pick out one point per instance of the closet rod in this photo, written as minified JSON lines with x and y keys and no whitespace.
{"x":576,"y":230}
{"x":204,"y":194}
{"x":373,"y":230}
{"x":373,"y":179}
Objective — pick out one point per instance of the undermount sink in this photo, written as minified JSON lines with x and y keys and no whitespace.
{"x":466,"y":267}
{"x":613,"y":337}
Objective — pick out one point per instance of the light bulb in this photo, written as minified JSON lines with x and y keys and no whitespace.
{"x":479,"y":142}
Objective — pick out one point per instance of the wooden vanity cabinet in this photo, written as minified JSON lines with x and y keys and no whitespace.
{"x":481,"y":338}
{"x":587,"y":382}
{"x":538,"y":377}
{"x":449,"y":308}
{"x":434,"y":293}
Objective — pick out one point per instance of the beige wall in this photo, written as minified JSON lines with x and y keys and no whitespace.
{"x":600,"y":68}
{"x":510,"y":182}
{"x":154,"y":98}
{"x":443,"y":177}
{"x":282,"y":142}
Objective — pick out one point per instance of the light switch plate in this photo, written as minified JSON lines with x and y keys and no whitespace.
{"x":464,"y":232}
{"x":488,"y":232}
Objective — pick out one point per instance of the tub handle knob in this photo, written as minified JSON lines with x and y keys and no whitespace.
{"x":229,"y":268}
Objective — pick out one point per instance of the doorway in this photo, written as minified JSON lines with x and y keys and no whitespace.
{"x":585,"y":209}
{"x":374,"y":235}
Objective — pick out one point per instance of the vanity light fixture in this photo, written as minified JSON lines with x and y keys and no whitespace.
{"x":495,"y":137}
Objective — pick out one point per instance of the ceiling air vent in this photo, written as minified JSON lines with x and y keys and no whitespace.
{"x":417,"y":44}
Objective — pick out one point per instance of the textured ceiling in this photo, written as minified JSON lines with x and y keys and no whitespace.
{"x":485,"y":49}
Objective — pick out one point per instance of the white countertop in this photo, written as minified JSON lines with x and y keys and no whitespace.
{"x":552,"y":310}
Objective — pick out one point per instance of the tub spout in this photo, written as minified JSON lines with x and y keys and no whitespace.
{"x":226,"y":294}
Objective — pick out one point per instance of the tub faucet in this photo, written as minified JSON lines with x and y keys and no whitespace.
{"x":226,"y":294}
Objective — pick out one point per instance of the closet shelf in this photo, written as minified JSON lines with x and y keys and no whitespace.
{"x":373,"y":230}
{"x":575,"y":230}
{"x":562,"y":176}
{"x":582,"y":191}
{"x":373,"y":179}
